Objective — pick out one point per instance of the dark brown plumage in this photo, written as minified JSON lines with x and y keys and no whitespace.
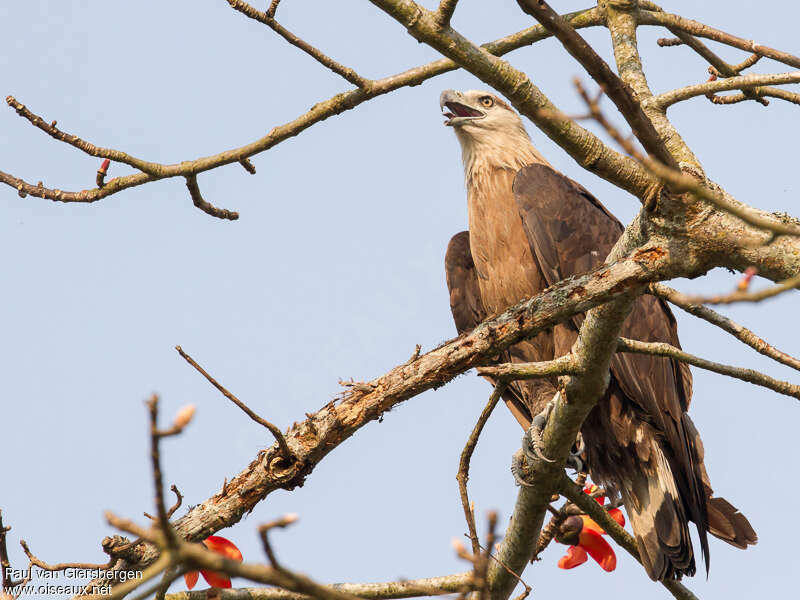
{"x":530,"y":227}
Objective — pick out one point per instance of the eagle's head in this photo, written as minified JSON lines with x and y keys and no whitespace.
{"x":491,"y":133}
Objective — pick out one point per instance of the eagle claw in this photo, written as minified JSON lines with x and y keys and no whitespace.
{"x":533,"y":447}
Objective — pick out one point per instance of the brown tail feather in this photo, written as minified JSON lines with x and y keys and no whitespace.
{"x":728,"y":524}
{"x":659,"y":522}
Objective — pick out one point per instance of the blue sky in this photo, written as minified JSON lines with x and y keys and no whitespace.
{"x":334,"y":270}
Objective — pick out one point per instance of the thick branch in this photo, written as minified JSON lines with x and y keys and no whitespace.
{"x":312,"y":439}
{"x":742,"y":82}
{"x":620,"y":94}
{"x":739,"y":332}
{"x":749,"y":375}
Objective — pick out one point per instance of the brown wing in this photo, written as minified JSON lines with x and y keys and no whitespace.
{"x":571,"y":232}
{"x":468,"y":311}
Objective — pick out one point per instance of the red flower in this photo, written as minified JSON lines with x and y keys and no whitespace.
{"x":590,"y":539}
{"x":222,"y":546}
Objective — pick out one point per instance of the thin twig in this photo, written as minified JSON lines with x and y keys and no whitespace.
{"x":63,"y":566}
{"x":749,"y":375}
{"x":81,"y":144}
{"x":204,"y":205}
{"x":287,"y":453}
{"x":741,"y":296}
{"x":158,"y":479}
{"x":272,"y":8}
{"x":741,"y":333}
{"x":263,"y":532}
{"x":5,"y":564}
{"x":463,"y":464}
{"x":268,"y":19}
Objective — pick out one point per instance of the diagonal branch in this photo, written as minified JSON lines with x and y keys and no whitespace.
{"x":312,"y":439}
{"x":76,"y":142}
{"x":738,"y":331}
{"x":749,"y":375}
{"x":276,"y":433}
{"x":268,"y":19}
{"x":617,"y":90}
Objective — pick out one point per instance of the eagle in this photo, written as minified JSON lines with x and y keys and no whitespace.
{"x":530,"y":227}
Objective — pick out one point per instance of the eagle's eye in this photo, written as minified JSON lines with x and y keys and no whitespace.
{"x":487,"y":101}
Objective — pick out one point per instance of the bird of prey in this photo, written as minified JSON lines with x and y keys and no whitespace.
{"x":529,"y":227}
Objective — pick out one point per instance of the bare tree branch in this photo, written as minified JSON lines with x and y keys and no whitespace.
{"x":738,"y":296}
{"x":563,"y":365}
{"x":719,"y":66}
{"x":319,"y":112}
{"x":412,"y":588}
{"x":312,"y":439}
{"x":620,"y":94}
{"x":738,"y":331}
{"x":463,"y":465}
{"x":676,"y":22}
{"x":276,"y":433}
{"x":204,"y":205}
{"x":749,"y":375}
{"x":268,"y":19}
{"x":732,"y":83}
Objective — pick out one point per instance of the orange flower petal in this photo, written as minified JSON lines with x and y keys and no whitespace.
{"x":223,"y":546}
{"x":218,"y":580}
{"x":598,"y":549}
{"x":589,"y":523}
{"x":617,"y":515}
{"x":575,"y":556}
{"x":191,"y":579}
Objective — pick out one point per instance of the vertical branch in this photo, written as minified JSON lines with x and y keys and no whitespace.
{"x":463,"y":465}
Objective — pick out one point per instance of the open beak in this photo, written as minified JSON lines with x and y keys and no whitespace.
{"x":454,"y":107}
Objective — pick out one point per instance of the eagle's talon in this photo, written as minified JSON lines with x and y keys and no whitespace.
{"x":574,"y":461}
{"x":517,"y":469}
{"x":532,"y":443}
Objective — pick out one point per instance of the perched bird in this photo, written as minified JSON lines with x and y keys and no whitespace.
{"x":529,"y":227}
